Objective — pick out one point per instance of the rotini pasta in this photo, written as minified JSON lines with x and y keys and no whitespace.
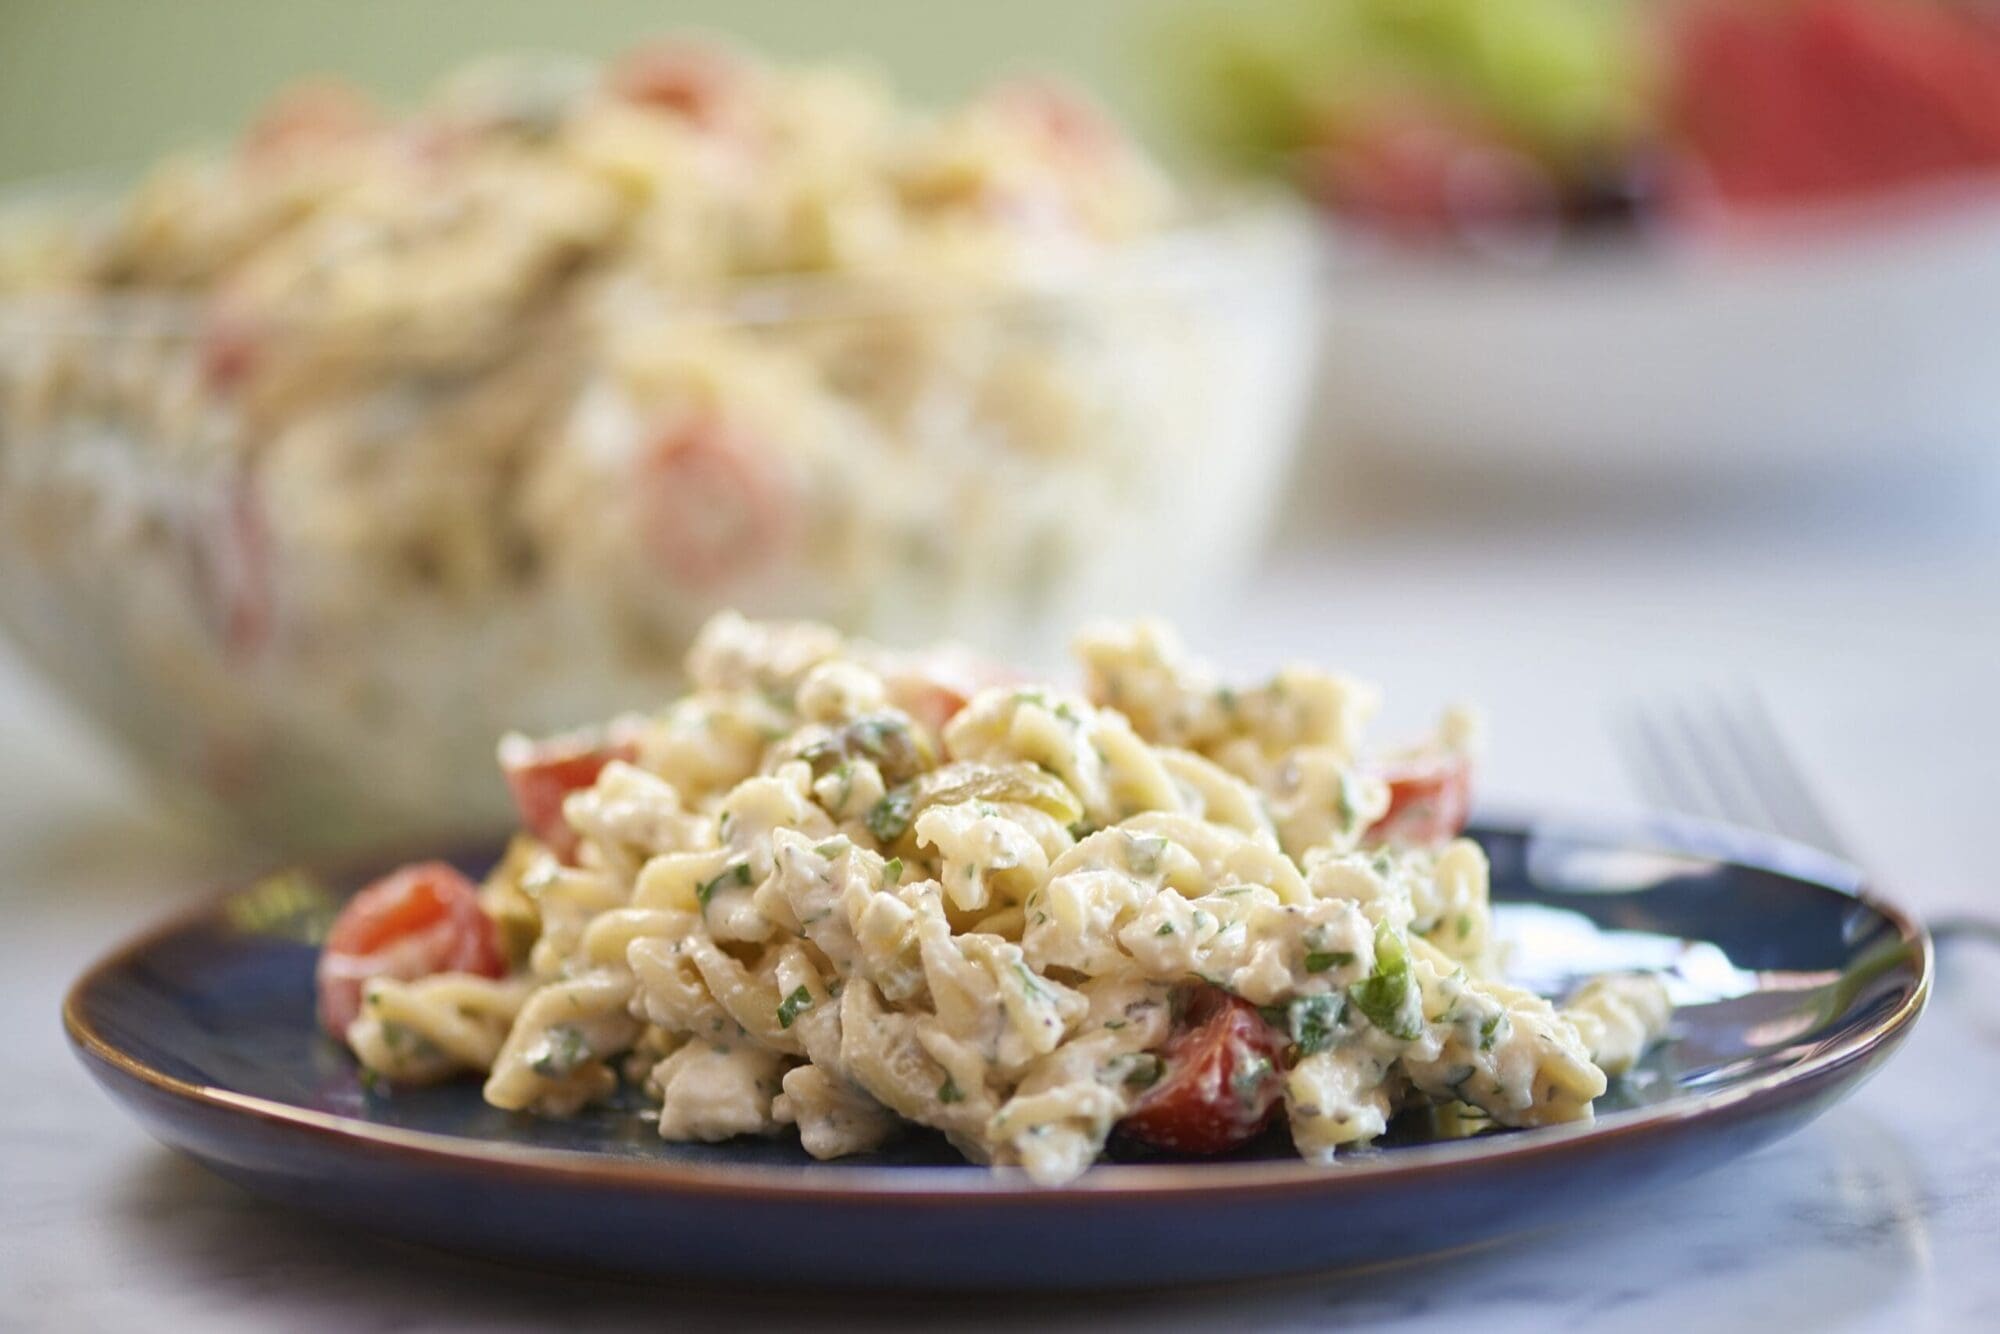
{"x":1024,"y":919}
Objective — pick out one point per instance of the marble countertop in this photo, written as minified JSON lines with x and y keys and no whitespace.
{"x":1884,"y":1215}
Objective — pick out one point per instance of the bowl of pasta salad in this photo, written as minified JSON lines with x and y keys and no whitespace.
{"x":827,"y":889}
{"x":326,"y":455}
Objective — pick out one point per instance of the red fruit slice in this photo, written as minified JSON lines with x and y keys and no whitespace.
{"x":1222,"y":1081}
{"x":420,"y":920}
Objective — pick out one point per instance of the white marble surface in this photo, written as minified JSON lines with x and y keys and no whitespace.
{"x":1878,"y":638}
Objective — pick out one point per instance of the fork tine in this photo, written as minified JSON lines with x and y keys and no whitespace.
{"x":1781,"y":785}
{"x":1713,"y":736}
{"x":1674,"y":783}
{"x":1642,"y":765}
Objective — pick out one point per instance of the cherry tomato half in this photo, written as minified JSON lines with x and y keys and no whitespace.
{"x":1224,"y":1074}
{"x":1430,"y":798}
{"x":541,"y":773}
{"x":934,"y":685}
{"x":420,"y":920}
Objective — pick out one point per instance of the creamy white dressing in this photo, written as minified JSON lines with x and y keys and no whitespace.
{"x":991,"y":944}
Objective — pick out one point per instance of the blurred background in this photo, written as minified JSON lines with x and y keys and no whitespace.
{"x":195,"y":72}
{"x":1561,"y":354}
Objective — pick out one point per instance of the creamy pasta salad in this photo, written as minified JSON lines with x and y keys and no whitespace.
{"x":852,"y":891}
{"x":406,"y":427}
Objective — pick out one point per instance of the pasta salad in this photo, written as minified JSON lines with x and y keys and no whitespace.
{"x":853,"y":890}
{"x":412,"y":425}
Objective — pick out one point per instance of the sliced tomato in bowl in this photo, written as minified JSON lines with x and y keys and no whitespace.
{"x":700,"y":82}
{"x":716,"y":505}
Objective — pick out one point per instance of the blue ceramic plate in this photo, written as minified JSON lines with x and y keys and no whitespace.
{"x":1794,"y":984}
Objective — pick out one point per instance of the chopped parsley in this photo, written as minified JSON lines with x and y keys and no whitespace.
{"x":1314,"y":1021}
{"x":1387,"y":996}
{"x":1464,"y":925}
{"x":562,"y":1049}
{"x":1319,"y":961}
{"x":739,"y":874}
{"x":844,"y":775}
{"x":1343,"y":799}
{"x":892,"y":873}
{"x":891,"y":815}
{"x":949,"y":1091}
{"x":788,"y":1009}
{"x":1248,"y":1081}
{"x":402,"y":1039}
{"x":1489,"y":1032}
{"x":1143,"y":1070}
{"x":1143,"y":852}
{"x":1166,"y":929}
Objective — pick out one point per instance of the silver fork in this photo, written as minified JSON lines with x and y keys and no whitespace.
{"x":1721,"y":756}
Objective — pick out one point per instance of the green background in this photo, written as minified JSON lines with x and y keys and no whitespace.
{"x":86,"y":83}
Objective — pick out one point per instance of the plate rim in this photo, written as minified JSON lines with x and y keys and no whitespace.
{"x":1652,"y":832}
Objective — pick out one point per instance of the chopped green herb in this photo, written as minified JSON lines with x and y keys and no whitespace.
{"x":832,"y":848}
{"x":561,"y":1050}
{"x":788,"y":1009}
{"x":1114,"y":1024}
{"x":1166,"y":929}
{"x":1143,"y":1070}
{"x":1248,"y":1081}
{"x":1030,"y":983}
{"x":1489,"y":1032}
{"x":1226,"y":697}
{"x":1387,"y":996}
{"x":844,"y":775}
{"x":1464,"y":925}
{"x":949,"y":1091}
{"x":892,"y":873}
{"x":1320,"y":961}
{"x":1143,"y":852}
{"x":891,"y":815}
{"x":1343,"y":802}
{"x":739,"y":874}
{"x":1314,"y":1020}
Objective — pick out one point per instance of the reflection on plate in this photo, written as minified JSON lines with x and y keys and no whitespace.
{"x":1789,"y":990}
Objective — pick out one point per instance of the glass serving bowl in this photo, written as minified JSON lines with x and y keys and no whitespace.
{"x":308,"y":600}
